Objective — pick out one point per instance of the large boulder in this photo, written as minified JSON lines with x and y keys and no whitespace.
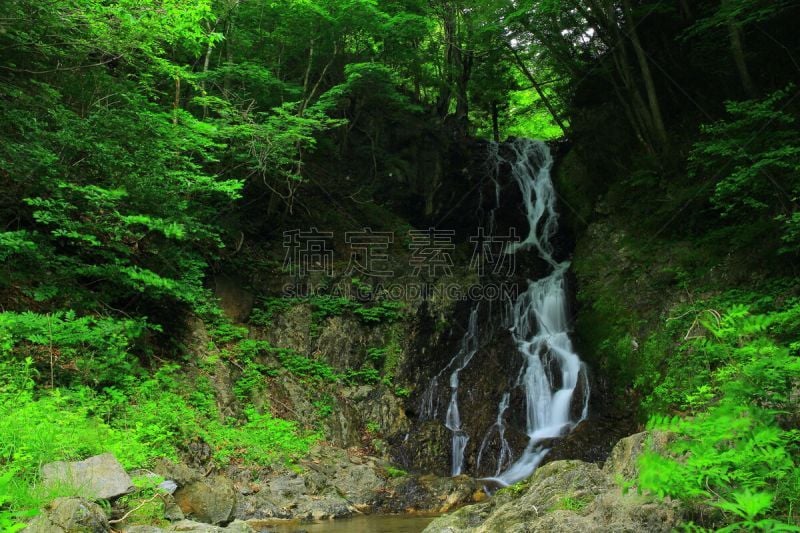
{"x":286,"y":489}
{"x":564,"y":497}
{"x":70,"y":515}
{"x":98,"y":477}
{"x":359,"y":484}
{"x":551,"y":486}
{"x":209,"y":500}
{"x":260,"y":506}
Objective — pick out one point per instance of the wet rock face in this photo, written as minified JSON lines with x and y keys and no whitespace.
{"x":623,"y":460}
{"x":495,"y":368}
{"x":490,"y":375}
{"x":482,"y":383}
{"x":344,"y":342}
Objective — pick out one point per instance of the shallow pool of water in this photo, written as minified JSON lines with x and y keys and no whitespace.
{"x":357,"y":524}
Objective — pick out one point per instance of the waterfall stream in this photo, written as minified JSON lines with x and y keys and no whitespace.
{"x":551,"y":371}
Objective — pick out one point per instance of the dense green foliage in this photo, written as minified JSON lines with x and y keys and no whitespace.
{"x":147,"y":147}
{"x":740,"y":446}
{"x":152,"y":417}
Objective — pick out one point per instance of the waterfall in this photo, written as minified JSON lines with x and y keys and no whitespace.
{"x":429,"y":409}
{"x":499,"y":426}
{"x":551,"y":370}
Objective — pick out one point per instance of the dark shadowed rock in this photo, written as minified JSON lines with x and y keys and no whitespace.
{"x":235,"y":300}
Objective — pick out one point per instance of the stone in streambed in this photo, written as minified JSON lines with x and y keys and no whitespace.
{"x":211,"y":500}
{"x":324,"y":508}
{"x":359,"y":484}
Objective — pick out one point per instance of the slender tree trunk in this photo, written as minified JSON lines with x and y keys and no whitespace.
{"x":633,"y":119}
{"x":206,"y":61}
{"x":686,"y":9}
{"x":226,"y":83}
{"x":638,"y":106}
{"x":647,"y":76}
{"x":313,"y":92}
{"x":631,"y":98}
{"x":462,"y":96}
{"x":629,"y":94}
{"x":417,"y":90}
{"x":177,"y":102}
{"x":495,"y":122}
{"x":737,"y":50}
{"x":446,"y":87}
{"x":232,"y":6}
{"x":307,"y":75}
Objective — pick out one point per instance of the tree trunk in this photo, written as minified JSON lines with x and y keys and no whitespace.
{"x":206,"y":61}
{"x":465,"y":59}
{"x":686,"y":10}
{"x":307,"y":98}
{"x":647,"y":76}
{"x":737,"y":50}
{"x":176,"y":104}
{"x":232,"y":6}
{"x":450,"y":61}
{"x":495,"y":124}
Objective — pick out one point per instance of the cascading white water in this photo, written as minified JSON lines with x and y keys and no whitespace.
{"x":551,"y":370}
{"x":469,"y":346}
{"x":465,"y":353}
{"x":539,"y":322}
{"x":504,"y":455}
{"x":530,"y":168}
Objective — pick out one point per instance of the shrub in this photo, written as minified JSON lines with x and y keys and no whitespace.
{"x":734,"y":452}
{"x":68,"y":349}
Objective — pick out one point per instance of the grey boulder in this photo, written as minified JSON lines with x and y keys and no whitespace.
{"x":98,"y":477}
